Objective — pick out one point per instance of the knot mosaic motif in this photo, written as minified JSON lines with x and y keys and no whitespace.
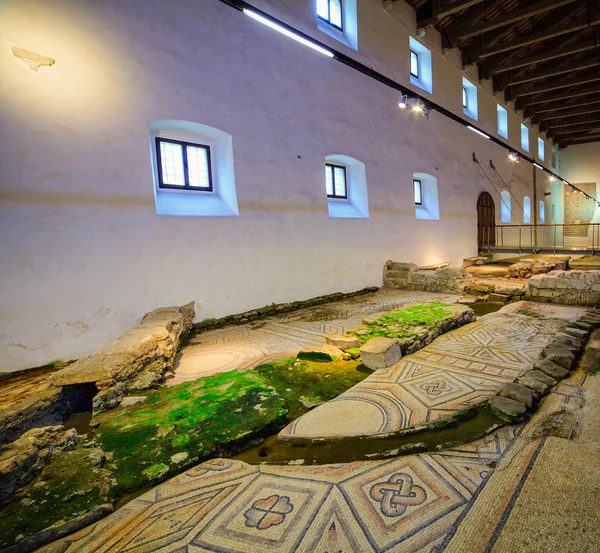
{"x":436,"y":387}
{"x":397,"y":494}
{"x":267,"y":512}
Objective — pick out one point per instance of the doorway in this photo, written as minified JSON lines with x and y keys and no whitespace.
{"x":486,"y":221}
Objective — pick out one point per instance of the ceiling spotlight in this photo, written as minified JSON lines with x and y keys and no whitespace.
{"x":403,"y":101}
{"x":514,"y":157}
{"x":418,"y":105}
{"x":552,"y":178}
{"x":427,"y":111}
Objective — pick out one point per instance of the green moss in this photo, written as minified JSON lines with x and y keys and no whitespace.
{"x":67,"y":487}
{"x":530,"y":313}
{"x":402,"y":323}
{"x":156,"y":472}
{"x":317,"y":356}
{"x":306,"y":383}
{"x":353,"y":352}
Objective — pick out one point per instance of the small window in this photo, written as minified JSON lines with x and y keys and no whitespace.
{"x":524,"y":137}
{"x":541,"y":147}
{"x":469,"y":99}
{"x":335,"y":181}
{"x":330,"y":11}
{"x":526,"y":210}
{"x":502,"y":122}
{"x":418,"y":192}
{"x":542,"y":212}
{"x":464,"y":97}
{"x":505,"y":212}
{"x":183,"y":165}
{"x":414,"y":64}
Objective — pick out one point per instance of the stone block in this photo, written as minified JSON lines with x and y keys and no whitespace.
{"x":556,"y":347}
{"x":562,"y":338}
{"x":537,"y":381}
{"x":507,"y":409}
{"x":132,"y":400}
{"x":522,"y":269}
{"x":577,"y":332}
{"x":342,"y":341}
{"x":565,"y":359}
{"x":498,"y":298}
{"x":552,"y":369}
{"x":379,"y":353}
{"x":583,"y":325}
{"x":518,"y":392}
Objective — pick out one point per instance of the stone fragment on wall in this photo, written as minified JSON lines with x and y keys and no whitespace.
{"x":406,"y":276}
{"x":138,"y":359}
{"x":565,"y":287}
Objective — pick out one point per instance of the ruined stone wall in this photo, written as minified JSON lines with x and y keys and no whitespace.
{"x":406,"y":276}
{"x":565,"y":287}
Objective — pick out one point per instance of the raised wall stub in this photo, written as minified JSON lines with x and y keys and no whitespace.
{"x":565,"y":287}
{"x":407,"y":276}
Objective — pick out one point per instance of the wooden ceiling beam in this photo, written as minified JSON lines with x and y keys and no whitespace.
{"x":468,"y":30}
{"x":574,"y":93}
{"x":592,"y":119}
{"x":562,"y":107}
{"x":574,"y":113}
{"x":527,"y":90}
{"x":540,"y":58}
{"x":441,"y":9}
{"x":545,"y":32}
{"x":577,"y":134}
{"x":584,"y":140}
{"x":552,"y":72}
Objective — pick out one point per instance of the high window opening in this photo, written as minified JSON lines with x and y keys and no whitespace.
{"x":414,"y":64}
{"x":526,"y":210}
{"x":421,"y":74}
{"x":505,"y":206}
{"x":541,"y":212}
{"x":541,"y":148}
{"x":330,"y":11}
{"x":183,"y":165}
{"x":335,"y":181}
{"x":502,"y":122}
{"x":524,"y":137}
{"x":469,"y":99}
{"x":418,"y":191}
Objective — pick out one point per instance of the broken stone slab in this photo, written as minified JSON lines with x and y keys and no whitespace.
{"x":507,"y":409}
{"x":537,"y":381}
{"x":342,"y":341}
{"x":551,"y":369}
{"x":583,"y":325}
{"x":565,"y":359}
{"x":380,"y":352}
{"x":132,"y":400}
{"x":556,"y":347}
{"x":577,"y":332}
{"x":518,"y":392}
{"x":22,"y":460}
{"x":521,"y":269}
{"x":498,"y":298}
{"x":467,"y":300}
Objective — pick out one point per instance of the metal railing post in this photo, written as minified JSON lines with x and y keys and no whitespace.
{"x":519,"y":239}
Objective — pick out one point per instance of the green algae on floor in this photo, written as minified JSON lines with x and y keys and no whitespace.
{"x":185,"y":424}
{"x":306,"y":384}
{"x":404,"y":323}
{"x":67,"y":487}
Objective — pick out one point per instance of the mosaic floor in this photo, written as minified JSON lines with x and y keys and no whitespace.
{"x":284,"y":335}
{"x":458,"y":369}
{"x":455,"y":501}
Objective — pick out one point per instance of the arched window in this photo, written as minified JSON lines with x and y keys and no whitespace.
{"x":505,"y":206}
{"x":526,"y":210}
{"x":541,"y":212}
{"x":425,"y":194}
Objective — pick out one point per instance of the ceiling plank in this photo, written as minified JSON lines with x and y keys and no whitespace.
{"x":571,"y":142}
{"x":592,"y":119}
{"x":444,"y":9}
{"x":527,"y":90}
{"x":574,"y":113}
{"x":466,"y":30}
{"x":546,"y":56}
{"x":478,"y":53}
{"x":574,"y":93}
{"x":578,"y":133}
{"x":548,"y":109}
{"x":552,"y":72}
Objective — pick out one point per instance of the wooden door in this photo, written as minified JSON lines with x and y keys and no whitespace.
{"x":486,"y":220}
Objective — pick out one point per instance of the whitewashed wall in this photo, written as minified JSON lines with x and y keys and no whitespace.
{"x":82,"y":252}
{"x":581,"y":164}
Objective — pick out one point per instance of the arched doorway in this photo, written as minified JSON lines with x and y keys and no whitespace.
{"x":486,"y":221}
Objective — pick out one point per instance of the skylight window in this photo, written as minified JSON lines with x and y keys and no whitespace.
{"x":541,"y":148}
{"x":502,"y":122}
{"x":335,"y":181}
{"x":524,"y":137}
{"x":330,"y":11}
{"x":414,"y":64}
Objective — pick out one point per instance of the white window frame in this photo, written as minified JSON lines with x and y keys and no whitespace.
{"x":541,"y":148}
{"x":348,"y":33}
{"x":524,"y":137}
{"x":429,"y":208}
{"x":356,"y":203}
{"x":502,"y":121}
{"x":327,"y":19}
{"x":414,"y":55}
{"x":470,"y":93}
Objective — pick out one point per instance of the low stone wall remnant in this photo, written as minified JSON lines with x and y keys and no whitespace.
{"x":526,"y":268}
{"x":565,"y":287}
{"x":138,"y":359}
{"x":407,"y":276}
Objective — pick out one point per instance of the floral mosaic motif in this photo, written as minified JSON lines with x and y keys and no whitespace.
{"x":397,"y":494}
{"x":436,"y":387}
{"x":267,"y":512}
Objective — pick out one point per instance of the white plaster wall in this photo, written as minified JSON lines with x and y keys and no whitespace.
{"x":581,"y":164}
{"x":83,"y":254}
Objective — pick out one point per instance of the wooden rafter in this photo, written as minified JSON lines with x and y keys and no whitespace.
{"x":552,"y":71}
{"x":444,"y":8}
{"x":577,"y":80}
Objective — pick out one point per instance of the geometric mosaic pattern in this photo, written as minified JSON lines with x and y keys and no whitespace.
{"x":406,"y":504}
{"x":284,"y":335}
{"x":458,"y":369}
